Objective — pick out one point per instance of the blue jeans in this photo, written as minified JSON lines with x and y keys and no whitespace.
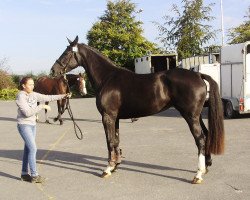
{"x":28,"y":133}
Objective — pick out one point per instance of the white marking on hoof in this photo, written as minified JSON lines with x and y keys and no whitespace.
{"x":199,"y":174}
{"x":105,"y":175}
{"x":107,"y":172}
{"x":197,"y":180}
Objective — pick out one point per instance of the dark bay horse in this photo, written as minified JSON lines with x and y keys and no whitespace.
{"x":122,"y":94}
{"x":59,"y":85}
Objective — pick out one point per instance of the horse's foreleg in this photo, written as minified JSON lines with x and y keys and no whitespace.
{"x":118,"y":152}
{"x":59,"y":104}
{"x":63,"y":108}
{"x":109,"y":127}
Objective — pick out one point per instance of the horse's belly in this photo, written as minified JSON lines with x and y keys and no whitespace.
{"x":143,"y":108}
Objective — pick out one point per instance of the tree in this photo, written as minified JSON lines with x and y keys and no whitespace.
{"x":241,"y":33}
{"x":187,"y":32}
{"x":118,"y":35}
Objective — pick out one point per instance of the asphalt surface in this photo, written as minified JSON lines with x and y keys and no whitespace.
{"x":160,"y":159}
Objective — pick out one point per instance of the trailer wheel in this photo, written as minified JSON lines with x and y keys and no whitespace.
{"x":228,"y":110}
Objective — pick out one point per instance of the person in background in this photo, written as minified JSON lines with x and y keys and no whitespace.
{"x":26,"y":101}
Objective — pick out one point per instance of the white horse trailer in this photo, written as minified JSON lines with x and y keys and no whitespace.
{"x":212,"y":70}
{"x":235,"y":79}
{"x":155,"y":63}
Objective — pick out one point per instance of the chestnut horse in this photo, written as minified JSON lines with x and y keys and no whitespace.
{"x":52,"y":86}
{"x":122,"y":94}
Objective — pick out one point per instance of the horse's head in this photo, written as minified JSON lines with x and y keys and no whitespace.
{"x":82,"y":84}
{"x":68,"y":60}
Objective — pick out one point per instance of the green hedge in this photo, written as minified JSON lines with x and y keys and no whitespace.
{"x":8,"y":94}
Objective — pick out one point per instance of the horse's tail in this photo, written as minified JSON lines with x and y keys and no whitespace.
{"x":215,"y":137}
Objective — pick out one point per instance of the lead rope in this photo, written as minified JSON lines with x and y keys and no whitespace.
{"x":72,"y":117}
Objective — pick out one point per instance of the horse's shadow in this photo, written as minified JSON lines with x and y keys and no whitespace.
{"x":83,"y":120}
{"x":125,"y":121}
{"x":89,"y":164}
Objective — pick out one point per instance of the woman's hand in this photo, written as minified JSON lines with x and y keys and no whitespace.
{"x":68,"y":95}
{"x":47,"y":107}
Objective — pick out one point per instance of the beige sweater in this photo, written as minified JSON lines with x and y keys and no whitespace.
{"x":27,"y":105}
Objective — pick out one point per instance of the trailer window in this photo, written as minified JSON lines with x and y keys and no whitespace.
{"x":248,"y":49}
{"x":161,"y":63}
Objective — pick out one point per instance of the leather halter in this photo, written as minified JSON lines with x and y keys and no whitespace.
{"x":65,"y":66}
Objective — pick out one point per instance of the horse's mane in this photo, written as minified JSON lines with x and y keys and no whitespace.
{"x":104,"y":57}
{"x":100,"y":54}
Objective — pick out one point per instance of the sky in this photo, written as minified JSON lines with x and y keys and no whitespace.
{"x":33,"y":32}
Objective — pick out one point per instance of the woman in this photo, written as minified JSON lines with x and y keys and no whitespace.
{"x":26,"y":101}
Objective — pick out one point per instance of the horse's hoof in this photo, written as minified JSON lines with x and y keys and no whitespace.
{"x":105,"y":175}
{"x":61,"y":123}
{"x":55,"y":119}
{"x":196,"y":181}
{"x":47,"y":121}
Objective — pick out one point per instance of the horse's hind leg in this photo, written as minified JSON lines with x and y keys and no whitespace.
{"x":112,"y":144}
{"x":208,"y":159}
{"x":46,"y":115}
{"x":37,"y":118}
{"x":62,"y":109}
{"x":195,"y":128}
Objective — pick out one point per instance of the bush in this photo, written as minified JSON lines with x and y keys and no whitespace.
{"x":8,"y":94}
{"x":16,"y":79}
{"x":6,"y":81}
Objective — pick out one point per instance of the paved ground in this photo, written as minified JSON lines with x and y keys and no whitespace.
{"x":160,"y":159}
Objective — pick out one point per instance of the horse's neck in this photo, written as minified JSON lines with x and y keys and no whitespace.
{"x":97,"y":67}
{"x":62,"y":85}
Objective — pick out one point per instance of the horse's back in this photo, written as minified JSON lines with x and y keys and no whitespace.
{"x":46,"y":85}
{"x":183,"y":79}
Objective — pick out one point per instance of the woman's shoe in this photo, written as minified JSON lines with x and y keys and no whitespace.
{"x":37,"y":179}
{"x":26,"y":177}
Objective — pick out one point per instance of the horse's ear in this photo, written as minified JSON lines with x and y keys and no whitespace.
{"x":74,"y":42}
{"x":69,"y":40}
